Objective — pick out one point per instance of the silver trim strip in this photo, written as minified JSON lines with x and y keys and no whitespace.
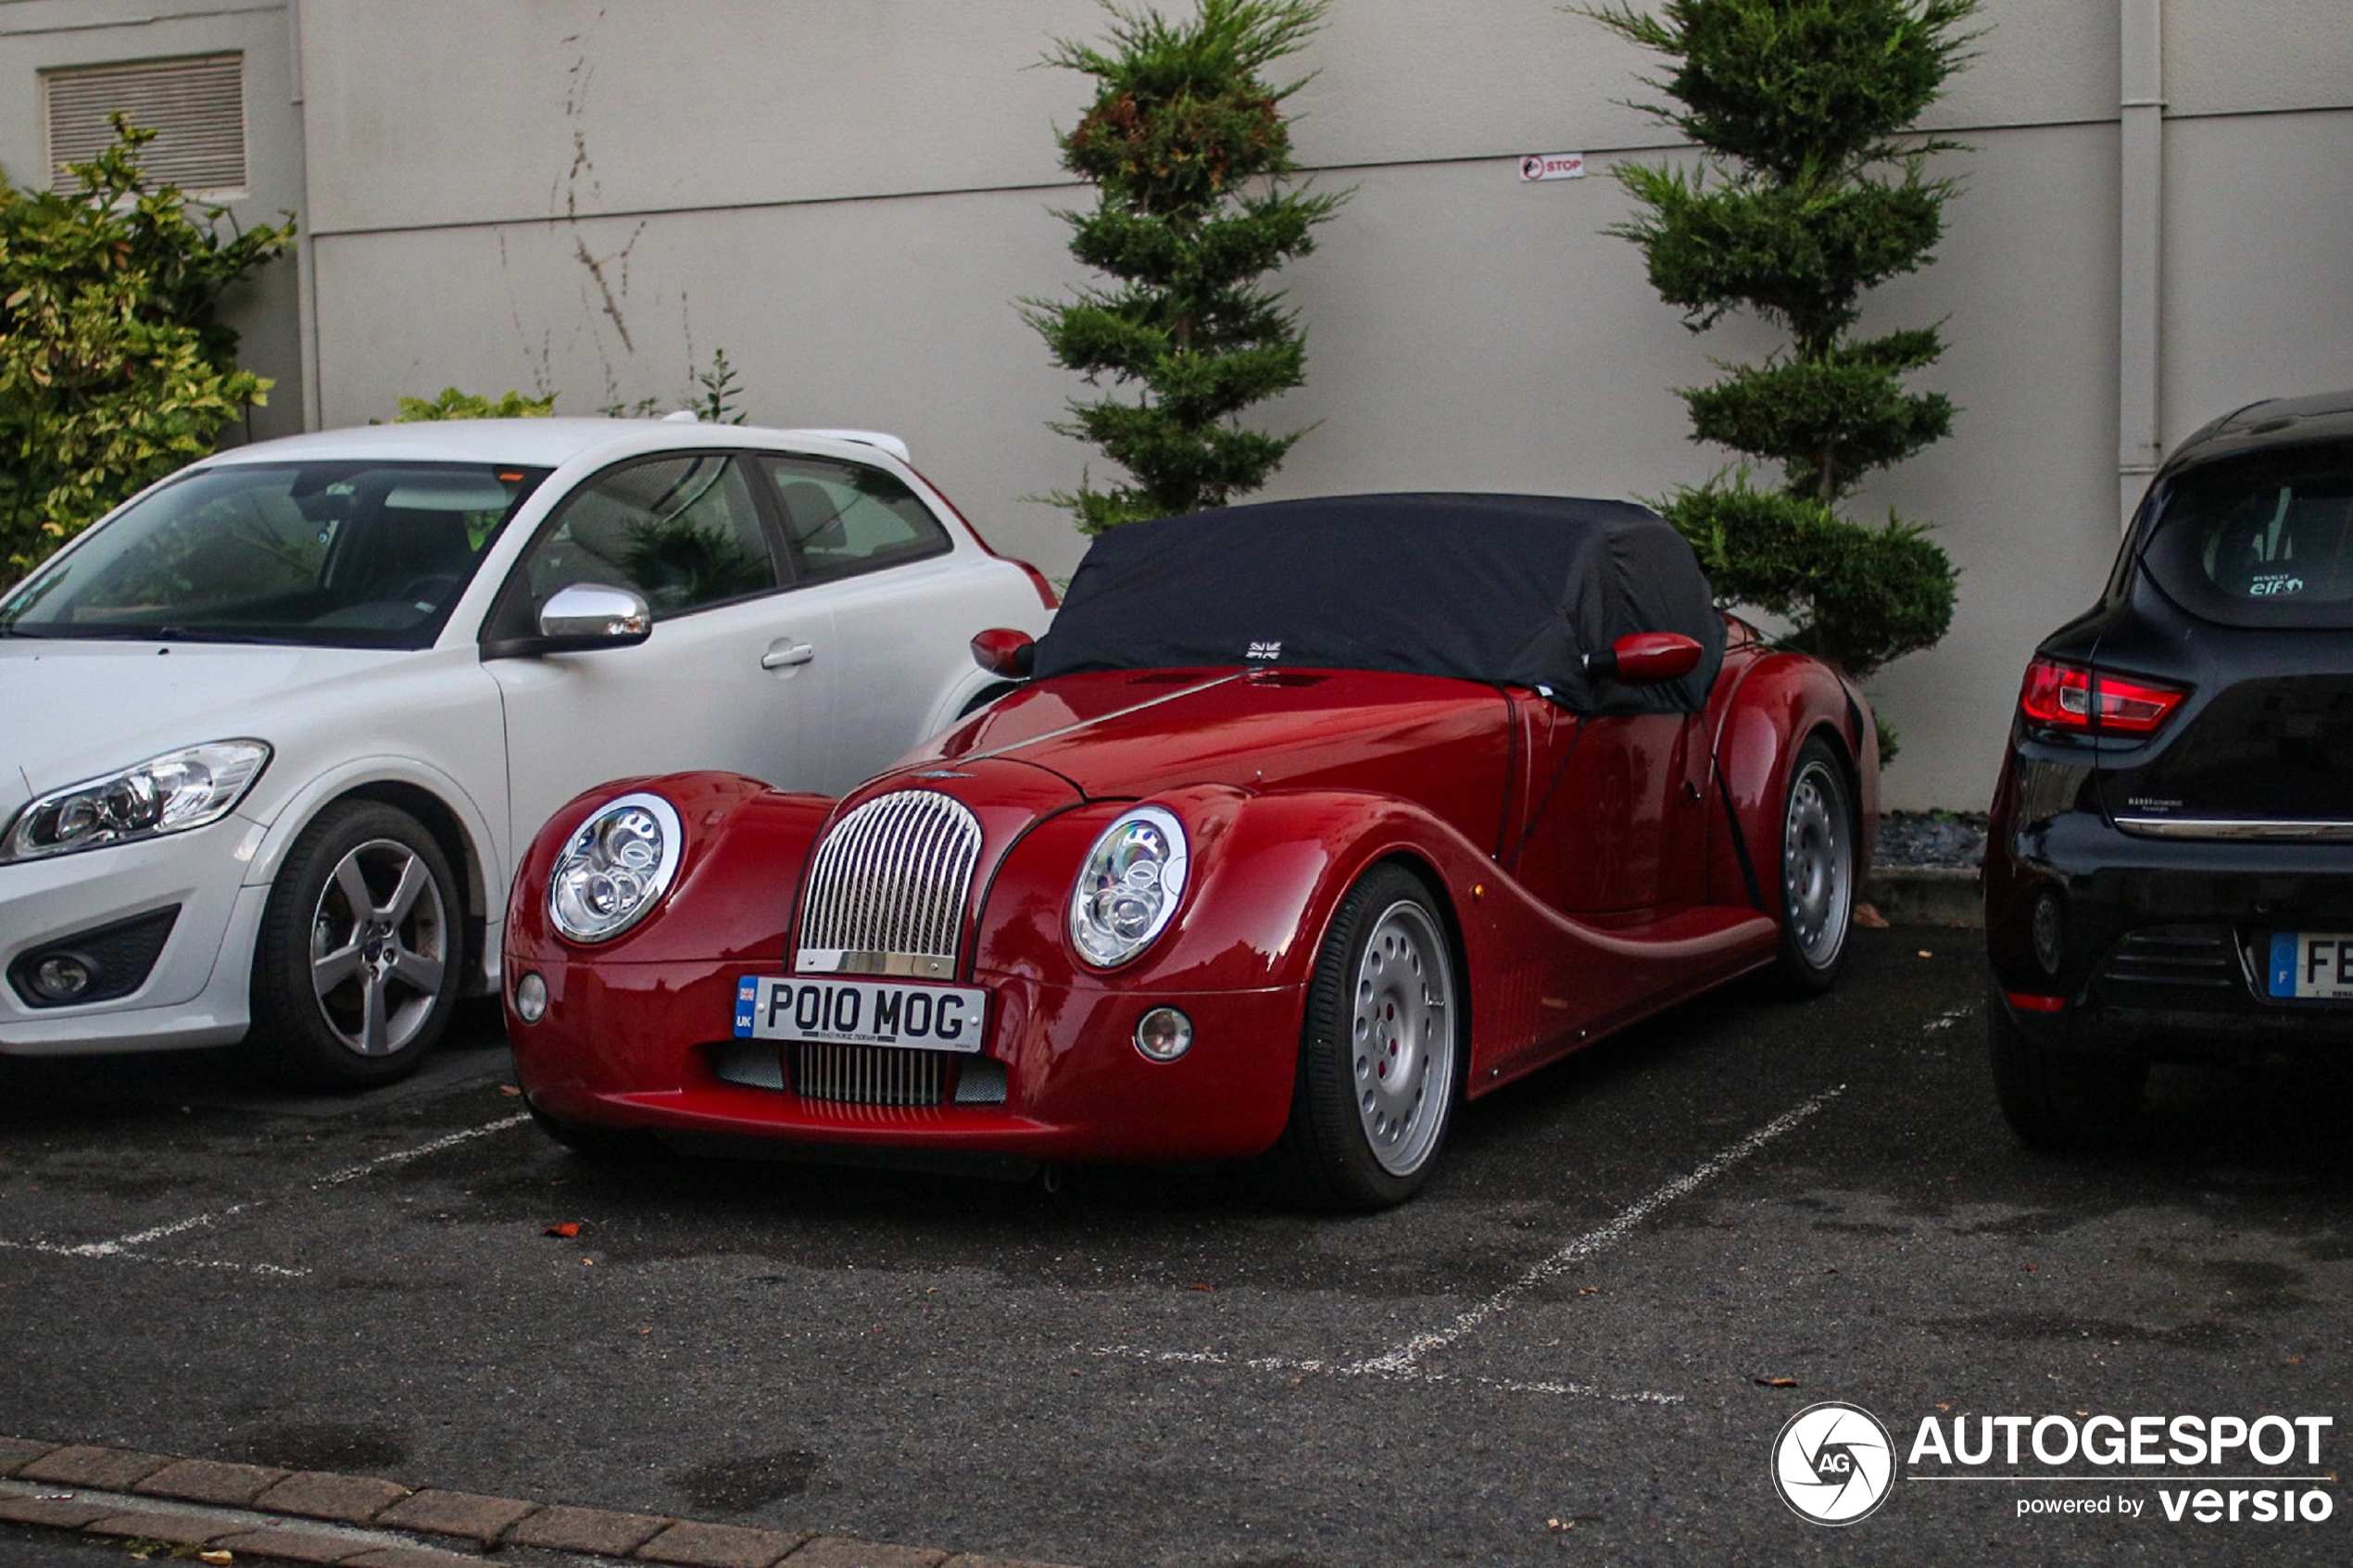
{"x":2283,"y":829}
{"x":1011,"y":747}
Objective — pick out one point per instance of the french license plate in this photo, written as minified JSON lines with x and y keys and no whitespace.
{"x":2309,"y":964}
{"x":861,"y":1012}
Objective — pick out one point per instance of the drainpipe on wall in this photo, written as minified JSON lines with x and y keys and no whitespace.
{"x":306,"y":267}
{"x":2141,"y":189}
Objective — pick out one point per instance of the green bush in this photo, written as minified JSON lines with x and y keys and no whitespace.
{"x":115,"y":368}
{"x":1187,"y":146}
{"x":455,"y":405}
{"x":1811,"y":190}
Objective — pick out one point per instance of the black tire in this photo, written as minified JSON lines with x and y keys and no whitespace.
{"x":348,"y":998}
{"x":1332,"y":1155}
{"x":1814,"y":857}
{"x":2059,"y":1101}
{"x":596,"y":1143}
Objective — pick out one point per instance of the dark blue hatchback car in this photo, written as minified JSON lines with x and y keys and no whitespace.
{"x":2169,"y":869}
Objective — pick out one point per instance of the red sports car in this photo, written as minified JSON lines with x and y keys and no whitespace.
{"x":1310,"y":820}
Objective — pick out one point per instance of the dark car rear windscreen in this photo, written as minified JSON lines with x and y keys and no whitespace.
{"x":2265,"y":540}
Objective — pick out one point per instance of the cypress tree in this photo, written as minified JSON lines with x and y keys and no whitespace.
{"x":1188,"y":146}
{"x":1811,"y":189}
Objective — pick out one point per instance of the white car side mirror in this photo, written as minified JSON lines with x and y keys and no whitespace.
{"x":592,"y":615}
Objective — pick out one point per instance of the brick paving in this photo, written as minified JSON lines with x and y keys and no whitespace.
{"x":206,"y":1480}
{"x":265,"y":1497}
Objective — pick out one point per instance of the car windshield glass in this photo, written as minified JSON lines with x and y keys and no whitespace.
{"x":339,"y":554}
{"x":2260,"y":541}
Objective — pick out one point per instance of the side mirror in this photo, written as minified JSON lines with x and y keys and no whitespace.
{"x":1644,"y":659}
{"x":1005,"y":652}
{"x":593,"y":615}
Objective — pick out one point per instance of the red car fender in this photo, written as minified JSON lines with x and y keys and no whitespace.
{"x":1266,"y":873}
{"x":1759,"y":717}
{"x":738,"y":873}
{"x":1266,"y":877}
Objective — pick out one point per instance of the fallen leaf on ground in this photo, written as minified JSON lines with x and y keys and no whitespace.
{"x":1197,"y":1285}
{"x":567,"y":1230}
{"x":510,"y":1091}
{"x":1869,"y":918}
{"x":217,"y":1559}
{"x":1926,"y":954}
{"x":1775,"y":1382}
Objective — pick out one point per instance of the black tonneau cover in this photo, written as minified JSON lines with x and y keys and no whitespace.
{"x":1510,"y":590}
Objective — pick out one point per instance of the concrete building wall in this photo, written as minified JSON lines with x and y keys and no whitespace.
{"x":37,"y":35}
{"x":591,"y":198}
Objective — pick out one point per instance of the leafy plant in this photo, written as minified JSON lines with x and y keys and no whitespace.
{"x":114,"y":368}
{"x":455,"y":405}
{"x":720,"y":393}
{"x":715,"y":401}
{"x":1811,"y":190}
{"x":1188,"y":146}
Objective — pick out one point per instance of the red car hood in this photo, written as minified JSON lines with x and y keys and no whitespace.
{"x":1125,"y":734}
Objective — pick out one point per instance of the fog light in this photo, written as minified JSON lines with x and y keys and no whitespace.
{"x":61,"y":977}
{"x":530,"y":998}
{"x":2046,"y":933}
{"x":1164,"y":1034}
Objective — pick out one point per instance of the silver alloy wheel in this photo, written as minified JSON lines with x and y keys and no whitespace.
{"x":378,"y":947}
{"x":1818,"y":863}
{"x":1402,"y":1048}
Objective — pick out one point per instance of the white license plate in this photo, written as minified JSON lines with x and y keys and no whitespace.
{"x":861,"y":1012}
{"x":2308,"y":964}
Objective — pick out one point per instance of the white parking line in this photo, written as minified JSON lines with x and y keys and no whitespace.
{"x":366,"y":1167}
{"x":1365,"y":1369}
{"x":1409,"y":1355}
{"x":138,"y":1238}
{"x":59,"y":1249}
{"x":121,"y":1247}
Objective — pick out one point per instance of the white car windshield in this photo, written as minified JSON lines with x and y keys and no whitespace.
{"x":337,"y":554}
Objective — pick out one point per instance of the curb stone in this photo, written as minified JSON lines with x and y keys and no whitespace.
{"x":1927,"y":895}
{"x":367,"y":1522}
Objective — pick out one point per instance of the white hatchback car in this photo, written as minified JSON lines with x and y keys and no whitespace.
{"x":272,"y":734}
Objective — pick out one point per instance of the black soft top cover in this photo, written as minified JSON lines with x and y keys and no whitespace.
{"x":1509,"y":590}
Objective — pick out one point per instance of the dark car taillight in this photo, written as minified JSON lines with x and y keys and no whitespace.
{"x":2071,"y":699}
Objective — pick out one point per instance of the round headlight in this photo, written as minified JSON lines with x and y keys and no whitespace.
{"x":615,"y":868}
{"x":1129,"y":888}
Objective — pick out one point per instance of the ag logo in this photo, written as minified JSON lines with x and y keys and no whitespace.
{"x":1833,"y":1463}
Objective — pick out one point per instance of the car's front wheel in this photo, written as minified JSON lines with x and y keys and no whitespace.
{"x":2058,"y":1099}
{"x":1379,"y":1054}
{"x":356,"y":969}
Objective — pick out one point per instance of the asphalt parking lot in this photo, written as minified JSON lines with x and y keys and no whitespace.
{"x":1580,"y":1343}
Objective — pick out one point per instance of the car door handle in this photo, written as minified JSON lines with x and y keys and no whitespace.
{"x":785,"y":651}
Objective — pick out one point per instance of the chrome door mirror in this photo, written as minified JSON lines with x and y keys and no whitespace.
{"x":593,"y":615}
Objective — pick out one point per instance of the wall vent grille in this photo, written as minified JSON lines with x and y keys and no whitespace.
{"x":196,"y":105}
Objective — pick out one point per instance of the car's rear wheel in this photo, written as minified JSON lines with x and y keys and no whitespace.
{"x":1379,"y":1056}
{"x":356,"y":969}
{"x":2056,"y":1098}
{"x":1818,"y":869}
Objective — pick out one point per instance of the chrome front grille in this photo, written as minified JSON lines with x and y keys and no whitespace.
{"x":887,"y":892}
{"x":2204,"y":956}
{"x":869,"y":1075}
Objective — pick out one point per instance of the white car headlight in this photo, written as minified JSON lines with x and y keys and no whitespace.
{"x":1128,"y":888}
{"x":615,"y":868}
{"x":167,"y":794}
